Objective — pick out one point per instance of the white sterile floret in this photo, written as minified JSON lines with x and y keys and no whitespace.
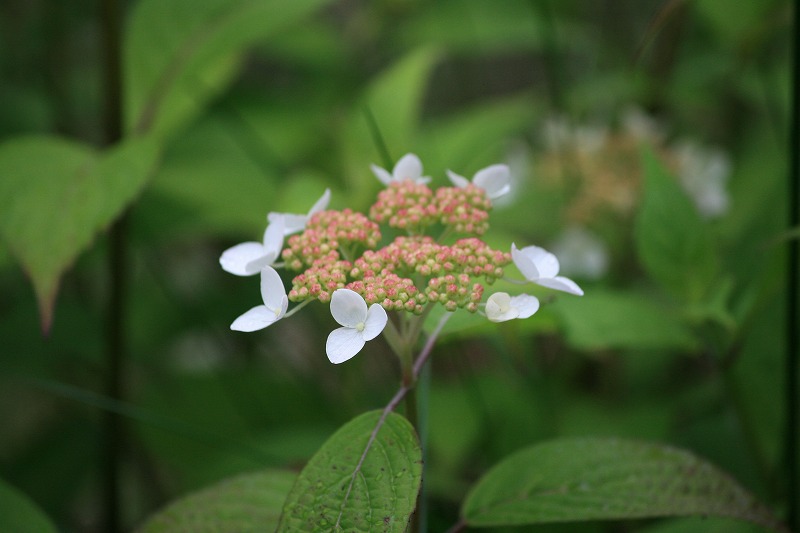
{"x":541,"y":267}
{"x":494,"y":179}
{"x":409,"y":167}
{"x":275,"y":304}
{"x":293,"y":223}
{"x":359,"y":325}
{"x":501,"y":307}
{"x":249,"y":258}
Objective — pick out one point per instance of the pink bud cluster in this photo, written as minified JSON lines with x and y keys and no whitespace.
{"x":411,"y":271}
{"x":329,"y":232}
{"x":413,"y":207}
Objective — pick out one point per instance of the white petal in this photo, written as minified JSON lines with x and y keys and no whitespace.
{"x":256,"y":318}
{"x":348,"y":308}
{"x":408,"y":168}
{"x":457,"y":180}
{"x":291,"y":223}
{"x":422,"y":180}
{"x":321,"y":204}
{"x":382,"y":174}
{"x":524,"y":263}
{"x":236,"y":259}
{"x":546,"y":263}
{"x":498,"y":308}
{"x":343,"y":344}
{"x":525,"y":304}
{"x":560,"y":283}
{"x":375,"y":322}
{"x":272,"y":291}
{"x":494,"y":179}
{"x":273,"y":235}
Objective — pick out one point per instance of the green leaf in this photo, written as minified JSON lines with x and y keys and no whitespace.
{"x":364,"y":478}
{"x":56,"y":196}
{"x":181,"y":53}
{"x":19,"y":514}
{"x":249,"y":502}
{"x":394,"y":102}
{"x":604,"y":319}
{"x":672,"y":241}
{"x":601,"y":479}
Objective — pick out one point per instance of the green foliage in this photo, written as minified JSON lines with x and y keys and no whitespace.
{"x":357,"y":482}
{"x":57,"y":195}
{"x":672,"y":242}
{"x":19,"y":514}
{"x":600,"y":479}
{"x":179,"y":55}
{"x":246,"y":503}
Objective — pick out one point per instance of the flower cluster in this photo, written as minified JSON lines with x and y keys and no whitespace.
{"x":341,"y":262}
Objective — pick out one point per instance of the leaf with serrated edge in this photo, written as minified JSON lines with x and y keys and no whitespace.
{"x":364,"y":478}
{"x":601,"y":479}
{"x":245,"y":503}
{"x":57,"y":195}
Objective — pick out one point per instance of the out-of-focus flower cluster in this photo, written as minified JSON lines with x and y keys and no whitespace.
{"x":439,"y":259}
{"x":600,"y":169}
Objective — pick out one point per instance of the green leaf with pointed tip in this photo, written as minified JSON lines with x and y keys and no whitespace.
{"x":600,"y":479}
{"x":57,"y":195}
{"x":672,"y":241}
{"x":19,"y":514}
{"x":179,"y":54}
{"x":357,"y":482}
{"x":245,"y":503}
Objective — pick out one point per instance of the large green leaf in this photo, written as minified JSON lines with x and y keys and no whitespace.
{"x":673,"y":242}
{"x":19,"y":514}
{"x":598,"y":479}
{"x":364,"y":478}
{"x":179,"y":54}
{"x":249,"y":502}
{"x":57,"y":195}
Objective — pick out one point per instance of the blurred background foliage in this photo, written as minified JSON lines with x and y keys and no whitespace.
{"x":613,"y":115}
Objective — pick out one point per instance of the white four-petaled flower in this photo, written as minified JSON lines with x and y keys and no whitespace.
{"x":541,"y":267}
{"x":501,"y":307}
{"x":494,"y":179}
{"x":293,"y":223}
{"x":249,"y":258}
{"x":359,"y":325}
{"x":275,"y":304}
{"x":409,"y":167}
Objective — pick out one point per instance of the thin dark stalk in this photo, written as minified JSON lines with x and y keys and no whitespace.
{"x":377,"y":138}
{"x":113,"y":438}
{"x":792,"y":293}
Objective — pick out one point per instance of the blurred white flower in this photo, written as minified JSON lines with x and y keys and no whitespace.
{"x":494,"y":179}
{"x":541,"y":267}
{"x":581,"y":254}
{"x":409,"y":167}
{"x":641,"y":125}
{"x":275,"y":304}
{"x":249,"y":258}
{"x":359,"y":325}
{"x":559,"y":134}
{"x":293,"y":223}
{"x":501,"y":307}
{"x":703,"y":173}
